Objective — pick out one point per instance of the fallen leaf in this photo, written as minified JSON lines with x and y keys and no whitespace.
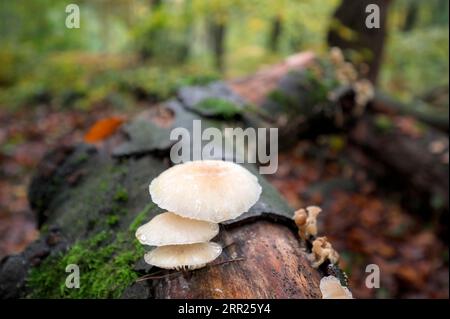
{"x":102,"y":129}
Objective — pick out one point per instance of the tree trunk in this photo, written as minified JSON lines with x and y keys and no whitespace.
{"x":412,"y":11}
{"x":217,"y":31}
{"x":275,"y":33}
{"x":369,"y":43}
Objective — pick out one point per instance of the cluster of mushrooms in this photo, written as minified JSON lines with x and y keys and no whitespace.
{"x":197,"y":196}
{"x":322,"y":250}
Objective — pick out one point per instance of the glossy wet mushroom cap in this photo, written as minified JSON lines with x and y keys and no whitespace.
{"x":210,"y":190}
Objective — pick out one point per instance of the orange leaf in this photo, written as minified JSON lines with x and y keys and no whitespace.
{"x":103,"y":128}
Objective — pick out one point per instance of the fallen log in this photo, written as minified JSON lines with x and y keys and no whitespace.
{"x":420,"y":110}
{"x":262,"y":259}
{"x":413,"y":153}
{"x":91,"y":198}
{"x":416,"y":154}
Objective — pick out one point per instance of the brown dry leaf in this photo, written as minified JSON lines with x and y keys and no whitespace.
{"x":103,"y":128}
{"x":411,"y":275}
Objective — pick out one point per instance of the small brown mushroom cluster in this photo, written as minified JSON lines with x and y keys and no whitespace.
{"x":198,"y":195}
{"x":321,"y":250}
{"x":306,"y":221}
{"x":346,"y":74}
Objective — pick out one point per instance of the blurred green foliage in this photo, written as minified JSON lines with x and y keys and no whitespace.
{"x":416,"y":61}
{"x":132,"y":49}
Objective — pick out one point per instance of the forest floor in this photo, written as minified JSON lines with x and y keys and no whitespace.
{"x":363,"y":226}
{"x":25,"y":137}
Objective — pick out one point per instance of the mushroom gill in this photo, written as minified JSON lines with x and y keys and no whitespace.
{"x":191,"y":256}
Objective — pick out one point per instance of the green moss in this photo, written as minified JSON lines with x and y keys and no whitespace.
{"x":121,"y":194}
{"x":140,"y":218}
{"x":219,"y":107}
{"x":383,"y":123}
{"x":103,"y":186}
{"x":112,"y":220}
{"x":105,"y":260}
{"x":336,"y":142}
{"x":281,"y":99}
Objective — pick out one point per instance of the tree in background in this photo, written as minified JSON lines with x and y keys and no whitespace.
{"x":349,"y":32}
{"x":275,"y":33}
{"x":216,"y":32}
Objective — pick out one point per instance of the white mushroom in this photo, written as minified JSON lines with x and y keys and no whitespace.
{"x":190,"y":257}
{"x":210,"y":190}
{"x":331,"y":288}
{"x":170,"y":229}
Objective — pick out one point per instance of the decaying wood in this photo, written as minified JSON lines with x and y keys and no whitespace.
{"x":255,"y":87}
{"x":408,"y":157}
{"x":75,"y":191}
{"x":273,"y":265}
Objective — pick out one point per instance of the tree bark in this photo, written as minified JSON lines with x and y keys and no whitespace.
{"x":273,"y":265}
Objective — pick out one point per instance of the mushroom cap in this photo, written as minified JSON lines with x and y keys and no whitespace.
{"x":171,"y":229}
{"x":190,"y":256}
{"x":331,"y":288}
{"x":210,"y":190}
{"x":313,"y":211}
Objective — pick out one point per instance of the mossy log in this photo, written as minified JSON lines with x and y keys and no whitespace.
{"x":410,"y":145}
{"x":90,"y":199}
